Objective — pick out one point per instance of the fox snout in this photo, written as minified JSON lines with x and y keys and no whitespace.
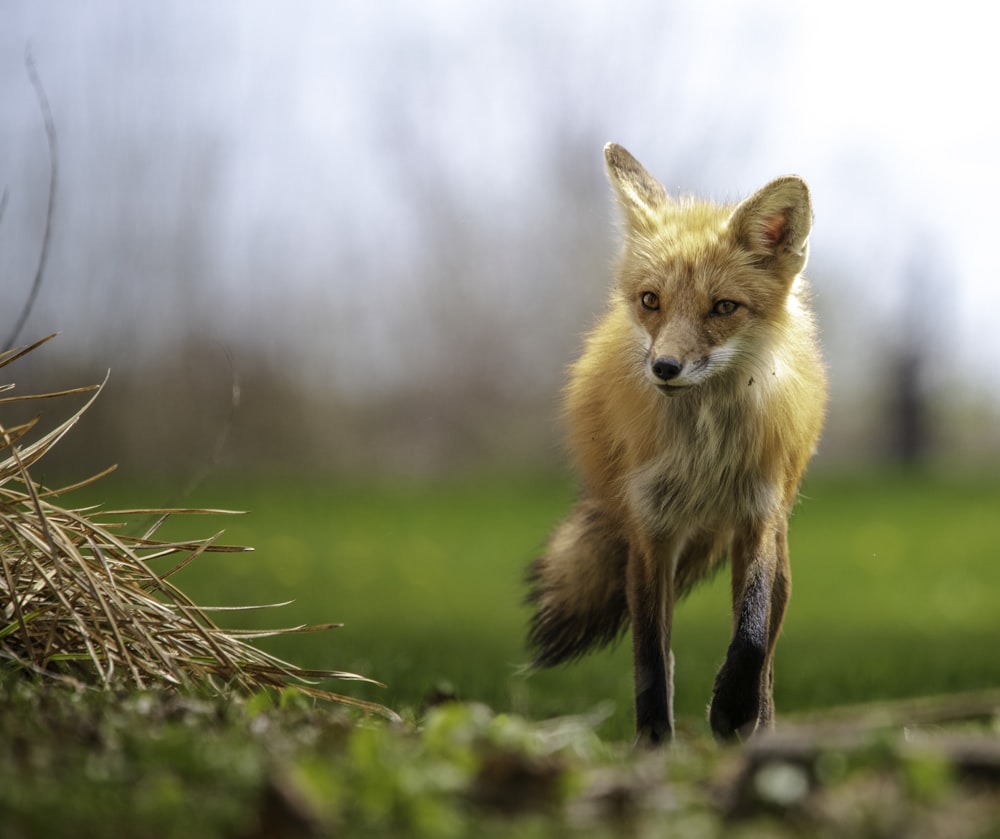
{"x":675,"y":355}
{"x":671,"y":375}
{"x":665,"y":368}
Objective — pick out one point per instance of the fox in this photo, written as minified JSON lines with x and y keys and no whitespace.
{"x":691,"y":415}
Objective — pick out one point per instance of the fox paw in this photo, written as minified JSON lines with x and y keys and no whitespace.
{"x":734,"y":713}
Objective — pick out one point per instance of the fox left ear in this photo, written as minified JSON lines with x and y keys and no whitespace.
{"x":775,"y":221}
{"x":641,"y":196}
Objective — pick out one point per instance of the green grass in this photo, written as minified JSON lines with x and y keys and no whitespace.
{"x":895,"y":581}
{"x":894,"y":596}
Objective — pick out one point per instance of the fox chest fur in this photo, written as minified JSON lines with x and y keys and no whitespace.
{"x":708,"y":475}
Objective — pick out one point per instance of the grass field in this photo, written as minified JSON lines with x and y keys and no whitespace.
{"x":896,"y":581}
{"x":895,"y":596}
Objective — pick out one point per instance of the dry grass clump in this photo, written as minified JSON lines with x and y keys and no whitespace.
{"x":80,"y":602}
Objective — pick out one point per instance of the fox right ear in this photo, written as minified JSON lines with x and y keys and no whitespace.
{"x":640,"y":194}
{"x":775,"y":221}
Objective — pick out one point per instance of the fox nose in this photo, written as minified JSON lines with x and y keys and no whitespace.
{"x":666,"y":368}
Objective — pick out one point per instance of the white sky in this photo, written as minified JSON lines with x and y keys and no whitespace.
{"x":915,"y":86}
{"x":889,"y":110}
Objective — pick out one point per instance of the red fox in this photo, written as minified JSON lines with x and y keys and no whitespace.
{"x":692,"y":413}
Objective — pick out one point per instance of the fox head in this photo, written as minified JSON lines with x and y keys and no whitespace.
{"x":706,"y":286}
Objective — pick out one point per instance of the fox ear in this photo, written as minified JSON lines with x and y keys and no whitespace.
{"x":774,"y":223}
{"x":640,"y":194}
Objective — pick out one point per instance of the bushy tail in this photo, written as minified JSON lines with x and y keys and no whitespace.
{"x":578,"y":588}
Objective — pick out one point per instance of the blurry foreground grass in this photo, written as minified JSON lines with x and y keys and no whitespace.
{"x":164,"y":765}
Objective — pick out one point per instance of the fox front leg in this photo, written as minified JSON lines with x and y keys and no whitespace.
{"x":743,"y":700}
{"x":650,"y":604}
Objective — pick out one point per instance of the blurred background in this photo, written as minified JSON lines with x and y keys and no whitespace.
{"x":389,"y":223}
{"x":385,"y":226}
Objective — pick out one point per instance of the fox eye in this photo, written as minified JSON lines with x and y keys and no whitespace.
{"x":650,"y":301}
{"x":725,"y":307}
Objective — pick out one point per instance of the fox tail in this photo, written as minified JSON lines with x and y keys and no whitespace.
{"x":577,"y":588}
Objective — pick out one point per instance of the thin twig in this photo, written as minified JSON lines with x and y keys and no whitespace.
{"x":215,"y":457}
{"x":222,"y":438}
{"x":43,"y":256}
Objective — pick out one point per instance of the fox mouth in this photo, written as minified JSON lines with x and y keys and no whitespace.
{"x":672,"y":390}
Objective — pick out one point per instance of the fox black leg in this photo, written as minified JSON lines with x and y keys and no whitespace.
{"x":743,"y":698}
{"x":650,"y":607}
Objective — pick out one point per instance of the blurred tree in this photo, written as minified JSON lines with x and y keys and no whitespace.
{"x":923,"y":329}
{"x":908,"y":418}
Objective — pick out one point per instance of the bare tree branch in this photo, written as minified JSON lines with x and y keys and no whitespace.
{"x":50,"y":134}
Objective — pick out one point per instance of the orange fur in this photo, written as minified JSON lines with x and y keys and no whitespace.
{"x":692,"y":413}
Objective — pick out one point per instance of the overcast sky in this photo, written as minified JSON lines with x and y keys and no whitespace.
{"x":309,"y":124}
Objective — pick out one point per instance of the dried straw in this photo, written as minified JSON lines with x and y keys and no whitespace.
{"x":81,"y":603}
